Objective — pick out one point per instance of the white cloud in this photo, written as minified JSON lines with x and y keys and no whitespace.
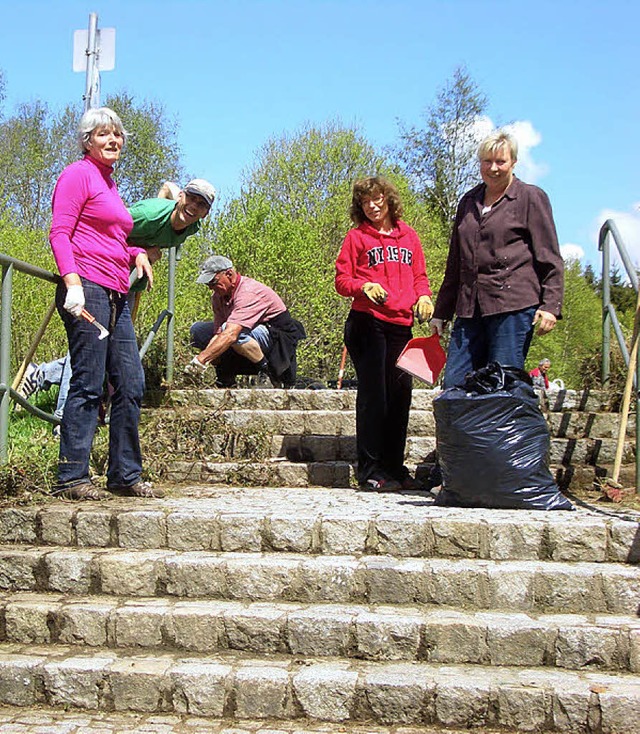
{"x":569,"y":251}
{"x":628,"y":226}
{"x":528,"y":138}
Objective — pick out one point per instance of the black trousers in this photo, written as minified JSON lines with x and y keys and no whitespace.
{"x":384,"y":395}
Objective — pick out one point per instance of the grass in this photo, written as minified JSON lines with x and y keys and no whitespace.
{"x":30,"y":472}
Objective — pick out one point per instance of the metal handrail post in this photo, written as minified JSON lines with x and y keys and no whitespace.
{"x":637,"y":428}
{"x":607,"y":231}
{"x":5,"y":358}
{"x":171,"y":307}
{"x":606,"y":318}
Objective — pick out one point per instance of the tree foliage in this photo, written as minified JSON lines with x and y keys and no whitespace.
{"x":288,"y":223}
{"x":152,"y":154}
{"x":577,"y":336}
{"x":36,"y":144}
{"x":440,"y":158}
{"x":284,"y":228}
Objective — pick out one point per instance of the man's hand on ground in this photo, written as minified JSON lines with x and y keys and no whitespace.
{"x":195,"y":367}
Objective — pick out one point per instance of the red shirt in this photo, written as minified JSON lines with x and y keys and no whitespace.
{"x":251,"y":303}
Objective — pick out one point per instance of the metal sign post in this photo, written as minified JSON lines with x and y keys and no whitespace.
{"x":94,"y":50}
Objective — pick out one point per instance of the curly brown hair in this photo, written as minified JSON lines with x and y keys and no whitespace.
{"x":371,"y":188}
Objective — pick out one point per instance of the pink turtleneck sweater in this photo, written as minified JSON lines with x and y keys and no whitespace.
{"x":90,"y":226}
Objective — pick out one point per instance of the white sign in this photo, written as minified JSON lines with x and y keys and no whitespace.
{"x":105,"y":46}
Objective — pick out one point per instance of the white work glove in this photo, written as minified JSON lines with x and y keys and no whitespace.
{"x":437,"y":326}
{"x":74,"y":301}
{"x":195,"y":367}
{"x":375,"y":292}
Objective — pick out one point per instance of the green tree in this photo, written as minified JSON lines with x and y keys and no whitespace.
{"x":440,"y":157}
{"x":33,"y":151}
{"x":576,"y":337}
{"x":152,"y":154}
{"x":36,"y":144}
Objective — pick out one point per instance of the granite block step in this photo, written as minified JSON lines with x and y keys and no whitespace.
{"x":181,"y":423}
{"x":592,"y":401}
{"x":390,"y":632}
{"x":536,"y":586}
{"x":383,"y":693}
{"x":325,"y":522}
{"x":51,"y":720}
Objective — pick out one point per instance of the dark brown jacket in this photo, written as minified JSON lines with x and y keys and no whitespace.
{"x":506,"y":260}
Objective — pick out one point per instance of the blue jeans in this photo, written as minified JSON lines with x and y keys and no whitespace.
{"x":93,"y":360}
{"x":202,"y":333}
{"x":57,"y":372}
{"x":503,"y":338}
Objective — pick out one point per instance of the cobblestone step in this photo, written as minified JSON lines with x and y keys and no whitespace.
{"x":338,"y":400}
{"x":342,"y":423}
{"x":258,"y":444}
{"x":278,"y":472}
{"x":391,"y":694}
{"x":417,"y":633}
{"x":324,"y":522}
{"x":540,"y":586}
{"x":49,"y":720}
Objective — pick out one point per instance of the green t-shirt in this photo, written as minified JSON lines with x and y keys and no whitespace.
{"x":152,"y":224}
{"x":152,"y":228}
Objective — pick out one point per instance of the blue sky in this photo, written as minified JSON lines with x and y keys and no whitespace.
{"x":236,"y":73}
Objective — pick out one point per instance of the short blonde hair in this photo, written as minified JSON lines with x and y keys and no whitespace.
{"x":495,"y":141}
{"x":94,"y":118}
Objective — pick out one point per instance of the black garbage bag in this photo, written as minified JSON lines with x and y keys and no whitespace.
{"x":493,"y":444}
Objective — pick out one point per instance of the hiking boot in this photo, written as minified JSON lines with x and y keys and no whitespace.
{"x":139,"y":489}
{"x":381,"y":484}
{"x":83,"y":491}
{"x":30,"y":381}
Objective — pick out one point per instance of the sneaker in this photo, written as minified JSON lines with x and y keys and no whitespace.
{"x":82,"y":491}
{"x":139,"y":489}
{"x":30,"y":381}
{"x":374,"y":484}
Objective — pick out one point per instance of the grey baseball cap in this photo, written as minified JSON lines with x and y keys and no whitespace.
{"x":211,"y":266}
{"x":202,"y":188}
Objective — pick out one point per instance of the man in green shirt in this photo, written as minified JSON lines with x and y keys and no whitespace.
{"x":169,"y":219}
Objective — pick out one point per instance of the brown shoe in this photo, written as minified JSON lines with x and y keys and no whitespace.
{"x":139,"y":489}
{"x":82,"y":491}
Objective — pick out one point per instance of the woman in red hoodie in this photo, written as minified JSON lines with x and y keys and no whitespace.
{"x":381,"y":267}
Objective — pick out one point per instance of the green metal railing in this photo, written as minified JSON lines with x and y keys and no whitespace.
{"x":7,"y":393}
{"x":608,"y":232}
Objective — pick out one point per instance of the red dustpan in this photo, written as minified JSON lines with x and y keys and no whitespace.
{"x":424,"y":358}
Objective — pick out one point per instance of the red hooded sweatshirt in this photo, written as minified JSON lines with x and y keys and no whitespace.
{"x":395,"y":261}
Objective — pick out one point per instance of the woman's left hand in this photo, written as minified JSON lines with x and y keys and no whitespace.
{"x":424,"y":309}
{"x":545,"y":320}
{"x":143,"y":267}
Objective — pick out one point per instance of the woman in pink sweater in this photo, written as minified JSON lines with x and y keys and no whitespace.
{"x":88,"y":236}
{"x":381,"y":267}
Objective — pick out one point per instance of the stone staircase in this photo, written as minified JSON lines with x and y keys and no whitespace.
{"x":226,"y":607}
{"x":298,"y":438}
